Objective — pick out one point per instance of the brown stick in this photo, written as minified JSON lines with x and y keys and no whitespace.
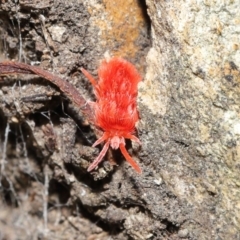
{"x":8,"y":67}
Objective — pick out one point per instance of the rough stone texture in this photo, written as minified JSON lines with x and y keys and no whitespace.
{"x":189,"y":126}
{"x":191,"y":133}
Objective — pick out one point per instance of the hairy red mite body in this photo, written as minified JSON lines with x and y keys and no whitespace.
{"x":115,"y":110}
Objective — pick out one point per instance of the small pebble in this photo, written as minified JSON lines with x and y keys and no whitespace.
{"x":183,"y":233}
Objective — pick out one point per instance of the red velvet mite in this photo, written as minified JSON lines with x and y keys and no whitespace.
{"x":115,"y":109}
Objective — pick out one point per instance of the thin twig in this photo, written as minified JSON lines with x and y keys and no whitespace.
{"x":45,"y":199}
{"x":19,"y":32}
{"x":67,"y":88}
{"x":4,"y":153}
{"x":25,"y":151}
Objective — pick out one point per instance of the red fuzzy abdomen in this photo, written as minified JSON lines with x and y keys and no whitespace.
{"x":116,"y":92}
{"x":110,"y":115}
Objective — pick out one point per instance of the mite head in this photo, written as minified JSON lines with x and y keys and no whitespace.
{"x":115,"y":141}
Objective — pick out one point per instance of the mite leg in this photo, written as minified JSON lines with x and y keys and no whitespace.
{"x":129,"y":158}
{"x":89,"y":77}
{"x":101,"y":139}
{"x":100,"y":157}
{"x":132,"y":137}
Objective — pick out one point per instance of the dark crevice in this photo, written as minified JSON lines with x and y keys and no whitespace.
{"x":112,"y":228}
{"x":143,"y":6}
